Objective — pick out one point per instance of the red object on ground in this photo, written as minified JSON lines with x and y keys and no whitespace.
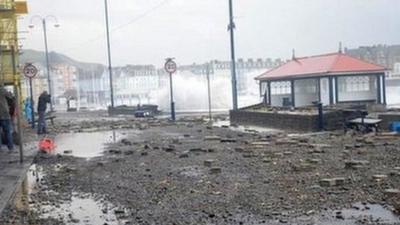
{"x":47,"y":145}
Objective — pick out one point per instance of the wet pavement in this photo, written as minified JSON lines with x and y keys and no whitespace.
{"x":188,"y":173}
{"x":12,"y":172}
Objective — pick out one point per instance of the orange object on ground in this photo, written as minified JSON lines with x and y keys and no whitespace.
{"x":47,"y":145}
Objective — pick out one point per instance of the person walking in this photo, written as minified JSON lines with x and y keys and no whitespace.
{"x":5,"y":119}
{"x":44,"y":99}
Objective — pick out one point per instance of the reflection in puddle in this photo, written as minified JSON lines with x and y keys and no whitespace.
{"x":86,"y":145}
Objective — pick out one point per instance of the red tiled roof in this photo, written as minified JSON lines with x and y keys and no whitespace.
{"x":321,"y":65}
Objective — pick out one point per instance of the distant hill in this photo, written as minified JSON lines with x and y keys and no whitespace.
{"x":39,"y":57}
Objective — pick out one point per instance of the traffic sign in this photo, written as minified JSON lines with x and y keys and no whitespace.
{"x":170,"y":66}
{"x":30,"y":70}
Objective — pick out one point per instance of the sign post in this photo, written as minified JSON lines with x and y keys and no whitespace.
{"x":171,"y":67}
{"x":30,"y":72}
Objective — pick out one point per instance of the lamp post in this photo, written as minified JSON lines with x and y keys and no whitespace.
{"x":231,"y":28}
{"x":109,"y":54}
{"x":44,"y":26}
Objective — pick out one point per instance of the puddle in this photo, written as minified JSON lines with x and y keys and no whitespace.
{"x":82,"y":210}
{"x":359,"y":214}
{"x":79,"y":209}
{"x":86,"y":145}
{"x":248,"y":129}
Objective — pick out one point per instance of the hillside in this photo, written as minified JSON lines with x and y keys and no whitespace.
{"x":55,"y":58}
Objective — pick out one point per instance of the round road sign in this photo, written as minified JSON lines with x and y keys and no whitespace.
{"x":170,"y":66}
{"x":30,"y":70}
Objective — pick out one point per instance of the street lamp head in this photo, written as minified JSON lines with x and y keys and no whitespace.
{"x":57,"y":25}
{"x":31,"y":26}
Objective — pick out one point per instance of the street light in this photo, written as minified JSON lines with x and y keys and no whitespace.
{"x":109,"y":54}
{"x":44,"y":25}
{"x":231,"y":29}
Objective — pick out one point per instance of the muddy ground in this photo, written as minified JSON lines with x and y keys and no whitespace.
{"x":190,"y":172}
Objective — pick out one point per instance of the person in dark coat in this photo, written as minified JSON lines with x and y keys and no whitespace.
{"x":5,"y":118}
{"x":44,"y":99}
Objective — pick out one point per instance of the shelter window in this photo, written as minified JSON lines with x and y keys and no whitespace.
{"x":280,"y":88}
{"x":355,"y":84}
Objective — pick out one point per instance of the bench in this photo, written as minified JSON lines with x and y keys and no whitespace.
{"x":364,"y":125}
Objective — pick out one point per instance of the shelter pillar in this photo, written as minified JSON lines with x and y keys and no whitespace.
{"x":379,"y":90}
{"x":269,"y":92}
{"x":384,"y":88}
{"x":292,"y":92}
{"x":331,"y":90}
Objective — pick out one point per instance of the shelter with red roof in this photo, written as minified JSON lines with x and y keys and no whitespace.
{"x":331,"y":79}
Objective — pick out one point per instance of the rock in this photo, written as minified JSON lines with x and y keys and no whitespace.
{"x":339,"y":215}
{"x":261,"y":143}
{"x":114,"y":151}
{"x":356,"y":164}
{"x":215,"y":170}
{"x":379,"y":177}
{"x":303,"y":167}
{"x":119,"y":211}
{"x":198,"y":150}
{"x":285,"y":142}
{"x":238,"y":149}
{"x":169,"y":148}
{"x":126,"y":142}
{"x":74,"y":220}
{"x":209,"y":162}
{"x":247,"y":155}
{"x":129,"y":152}
{"x":266,"y":160}
{"x":143,"y":126}
{"x":288,"y":153}
{"x":212,"y":138}
{"x":392,"y":193}
{"x":314,"y":161}
{"x":186,"y":135}
{"x":278,"y":155}
{"x":176,"y":141}
{"x":144,"y":153}
{"x":228,"y":140}
{"x":331,"y":182}
{"x":184,"y":154}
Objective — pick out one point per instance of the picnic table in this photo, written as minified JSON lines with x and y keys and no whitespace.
{"x":364,"y":124}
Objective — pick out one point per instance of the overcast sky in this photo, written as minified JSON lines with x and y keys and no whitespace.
{"x":147,"y":31}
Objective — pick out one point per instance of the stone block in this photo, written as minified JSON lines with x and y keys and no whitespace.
{"x":332,"y":182}
{"x":209,"y":162}
{"x":215,"y":170}
{"x":212,"y":138}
